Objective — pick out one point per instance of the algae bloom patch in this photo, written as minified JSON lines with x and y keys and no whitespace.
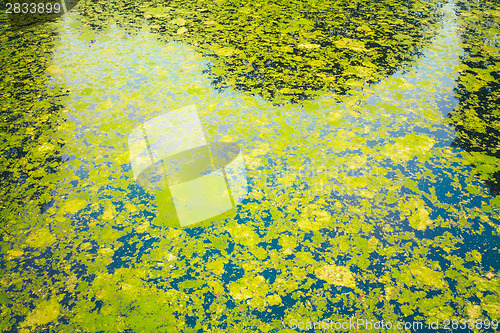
{"x":336,"y":275}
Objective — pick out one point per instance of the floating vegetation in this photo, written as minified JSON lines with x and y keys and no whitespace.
{"x":286,"y":50}
{"x":477,"y":119}
{"x":358,"y":205}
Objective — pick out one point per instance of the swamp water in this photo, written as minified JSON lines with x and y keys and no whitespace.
{"x":364,"y":202}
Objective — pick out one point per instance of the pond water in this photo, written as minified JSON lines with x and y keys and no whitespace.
{"x":372,"y":181}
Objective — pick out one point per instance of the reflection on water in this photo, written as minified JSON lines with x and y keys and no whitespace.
{"x":389,"y":224}
{"x":285,"y":51}
{"x":476,"y":120}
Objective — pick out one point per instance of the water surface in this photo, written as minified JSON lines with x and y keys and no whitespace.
{"x":359,"y":204}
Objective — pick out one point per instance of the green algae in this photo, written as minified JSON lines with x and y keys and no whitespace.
{"x":357,"y":208}
{"x":44,"y":313}
{"x":476,"y":120}
{"x":40,"y":238}
{"x":339,"y":276}
{"x":286,"y":50}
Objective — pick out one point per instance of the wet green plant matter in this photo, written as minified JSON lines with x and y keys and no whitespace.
{"x":359,"y":206}
{"x":477,"y":119}
{"x":286,"y":50}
